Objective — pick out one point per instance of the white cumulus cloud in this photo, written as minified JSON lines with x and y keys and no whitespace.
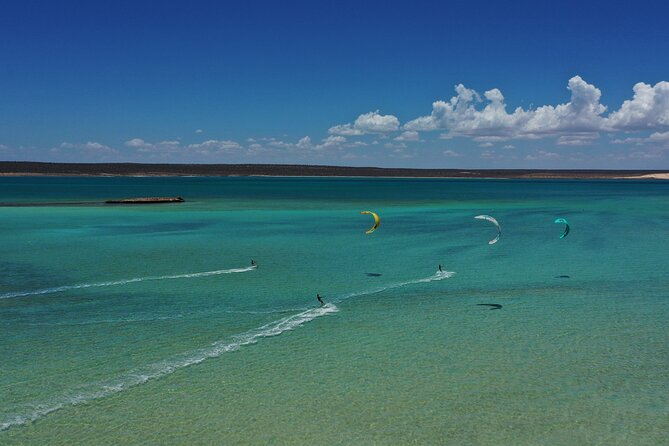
{"x":91,"y":147}
{"x":372,"y":122}
{"x":305,"y":145}
{"x":136,"y":143}
{"x":463,"y":115}
{"x":577,"y":139}
{"x":657,"y":139}
{"x":648,"y":109}
{"x":578,"y":122}
{"x":215,"y":146}
{"x":408,"y":135}
{"x":209,"y":147}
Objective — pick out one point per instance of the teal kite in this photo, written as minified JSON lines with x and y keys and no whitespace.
{"x":566,"y":227}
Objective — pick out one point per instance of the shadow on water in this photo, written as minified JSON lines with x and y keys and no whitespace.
{"x":563,"y":276}
{"x":493,"y":306}
{"x":374,"y":274}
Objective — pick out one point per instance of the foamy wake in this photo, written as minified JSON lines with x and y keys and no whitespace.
{"x":157,"y":370}
{"x":60,"y":289}
{"x":439,"y":275}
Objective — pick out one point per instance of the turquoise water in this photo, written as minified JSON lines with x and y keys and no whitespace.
{"x":126,"y":325}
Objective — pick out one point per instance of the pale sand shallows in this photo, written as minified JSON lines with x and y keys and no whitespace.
{"x":650,"y":176}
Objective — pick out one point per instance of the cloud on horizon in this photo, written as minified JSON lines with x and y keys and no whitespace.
{"x":90,"y":150}
{"x":469,"y":126}
{"x":207,"y":148}
{"x":577,"y":122}
{"x":372,"y":122}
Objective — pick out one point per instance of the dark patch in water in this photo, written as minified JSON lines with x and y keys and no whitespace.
{"x":494,"y":306}
{"x":374,"y":274}
{"x":156,"y":228}
{"x":563,"y":276}
{"x":24,"y":275}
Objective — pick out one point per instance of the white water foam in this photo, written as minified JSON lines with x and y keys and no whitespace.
{"x":157,"y":370}
{"x":439,"y":275}
{"x":60,"y":289}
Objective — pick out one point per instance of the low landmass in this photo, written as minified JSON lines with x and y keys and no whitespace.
{"x":20,"y":168}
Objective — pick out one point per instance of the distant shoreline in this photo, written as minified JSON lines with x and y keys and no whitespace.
{"x":10,"y":168}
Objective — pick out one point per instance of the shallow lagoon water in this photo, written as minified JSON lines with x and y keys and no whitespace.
{"x":122,"y":325}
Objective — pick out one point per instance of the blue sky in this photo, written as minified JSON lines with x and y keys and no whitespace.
{"x":472,"y":84}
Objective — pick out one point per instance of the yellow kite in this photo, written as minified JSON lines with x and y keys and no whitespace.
{"x":377,"y":221}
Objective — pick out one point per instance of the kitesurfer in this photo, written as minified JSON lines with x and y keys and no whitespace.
{"x":318,"y":296}
{"x":253,"y":263}
{"x":440,"y":270}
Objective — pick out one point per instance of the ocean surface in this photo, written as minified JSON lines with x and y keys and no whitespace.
{"x":147,"y":325}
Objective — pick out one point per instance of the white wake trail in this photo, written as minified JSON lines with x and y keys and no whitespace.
{"x":157,"y":370}
{"x":160,"y":369}
{"x":63,"y":288}
{"x":439,"y":275}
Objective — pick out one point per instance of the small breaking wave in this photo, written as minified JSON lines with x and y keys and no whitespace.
{"x":63,"y":288}
{"x":160,"y":369}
